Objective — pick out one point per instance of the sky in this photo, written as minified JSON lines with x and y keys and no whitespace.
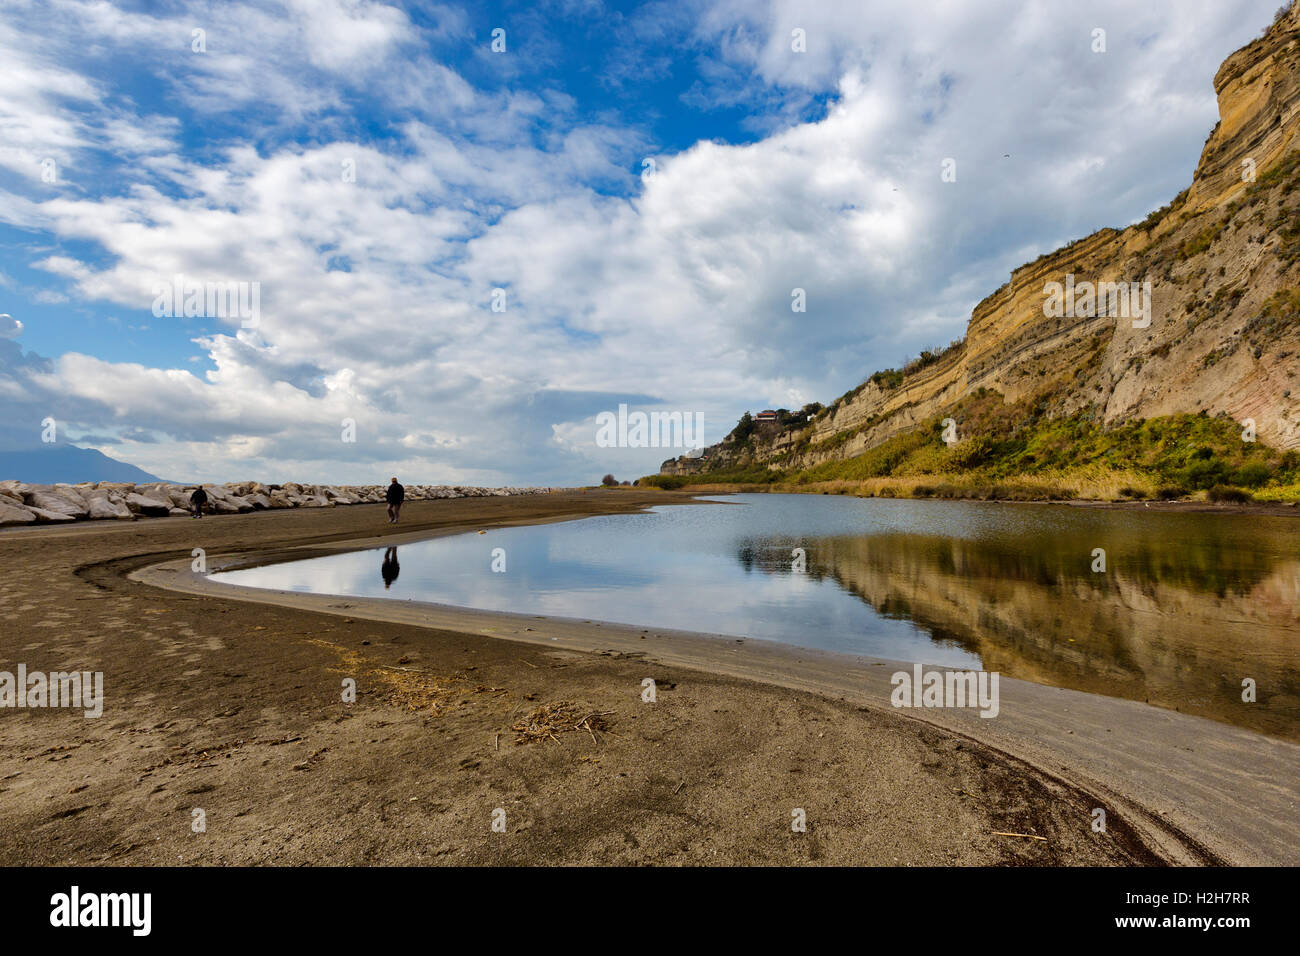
{"x":470,"y":230}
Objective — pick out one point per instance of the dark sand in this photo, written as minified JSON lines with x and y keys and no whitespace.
{"x":234,"y":707}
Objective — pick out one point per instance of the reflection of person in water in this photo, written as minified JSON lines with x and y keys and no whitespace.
{"x":390,"y":568}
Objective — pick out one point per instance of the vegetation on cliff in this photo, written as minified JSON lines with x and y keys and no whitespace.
{"x":1018,"y":451}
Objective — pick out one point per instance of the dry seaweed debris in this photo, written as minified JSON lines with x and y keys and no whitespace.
{"x":564,"y":716}
{"x":409,"y":688}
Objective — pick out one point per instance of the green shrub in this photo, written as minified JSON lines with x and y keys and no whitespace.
{"x":1283,"y":304}
{"x":668,"y":482}
{"x":972,"y":453}
{"x":1150,"y":222}
{"x":1204,"y":473}
{"x":1252,"y":475}
{"x":1199,"y":242}
{"x":1228,"y":493}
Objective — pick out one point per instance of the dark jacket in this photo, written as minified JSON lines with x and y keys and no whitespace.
{"x":200,"y":497}
{"x":396,"y":494}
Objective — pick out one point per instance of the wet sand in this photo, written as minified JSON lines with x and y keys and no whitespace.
{"x":220,"y":701}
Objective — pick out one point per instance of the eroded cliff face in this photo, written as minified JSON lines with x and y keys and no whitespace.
{"x":1223,"y":332}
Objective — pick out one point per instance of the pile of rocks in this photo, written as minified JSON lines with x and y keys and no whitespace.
{"x":31,"y":504}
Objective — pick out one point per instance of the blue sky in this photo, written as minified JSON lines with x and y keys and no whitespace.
{"x":523,"y":171}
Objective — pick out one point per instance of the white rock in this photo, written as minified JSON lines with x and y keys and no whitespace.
{"x":13,"y":513}
{"x":52,"y":501}
{"x":103,"y":508}
{"x":22,"y":503}
{"x":50,"y":517}
{"x":157,"y":491}
{"x":150,"y":507}
{"x":180,"y":497}
{"x":72,"y":493}
{"x":122,"y":488}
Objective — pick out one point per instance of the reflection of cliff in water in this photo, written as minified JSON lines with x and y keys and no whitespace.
{"x":1177,"y":624}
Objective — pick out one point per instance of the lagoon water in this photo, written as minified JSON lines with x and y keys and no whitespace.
{"x":1189,"y":605}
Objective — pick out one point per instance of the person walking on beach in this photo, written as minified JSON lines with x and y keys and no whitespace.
{"x":396,"y":495}
{"x":198,"y":500}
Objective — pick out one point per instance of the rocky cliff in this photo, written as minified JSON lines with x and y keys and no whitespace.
{"x":1211,"y":324}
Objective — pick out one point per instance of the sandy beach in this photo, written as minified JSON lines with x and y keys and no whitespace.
{"x":228,"y":701}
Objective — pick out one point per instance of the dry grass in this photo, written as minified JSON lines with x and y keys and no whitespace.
{"x":1097,"y":483}
{"x":1289,"y":493}
{"x":1092,"y":483}
{"x":402,"y":687}
{"x":561,"y":717}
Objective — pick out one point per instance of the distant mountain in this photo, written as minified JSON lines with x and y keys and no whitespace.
{"x":49,"y":464}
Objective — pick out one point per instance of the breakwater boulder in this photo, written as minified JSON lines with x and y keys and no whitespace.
{"x":25,"y":504}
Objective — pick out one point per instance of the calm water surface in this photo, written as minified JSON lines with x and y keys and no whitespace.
{"x":1189,"y":604}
